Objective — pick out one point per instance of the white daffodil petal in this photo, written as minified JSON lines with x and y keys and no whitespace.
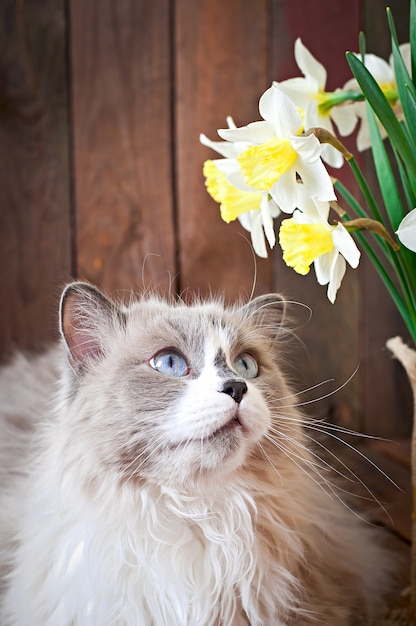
{"x":225,"y":148}
{"x":256,"y":132}
{"x":378,"y":68}
{"x":227,"y":166}
{"x":267,"y":221}
{"x":316,"y":180}
{"x":257,"y":235}
{"x":245,"y":220}
{"x":285,"y":192}
{"x":407,"y":231}
{"x":278,"y":109}
{"x":308,"y":65}
{"x":344,"y":242}
{"x":337,"y":274}
{"x":273,"y":208}
{"x":308,"y":148}
{"x":322,"y":267}
{"x":299,"y":90}
{"x":331,"y":156}
{"x":345,"y":119}
{"x":311,"y":210}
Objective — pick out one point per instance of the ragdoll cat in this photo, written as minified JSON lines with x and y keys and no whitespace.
{"x":170,"y":483}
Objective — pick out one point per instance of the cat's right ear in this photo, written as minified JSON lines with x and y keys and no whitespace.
{"x":87,"y":321}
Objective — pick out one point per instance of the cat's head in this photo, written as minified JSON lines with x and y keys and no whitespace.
{"x":167,"y":391}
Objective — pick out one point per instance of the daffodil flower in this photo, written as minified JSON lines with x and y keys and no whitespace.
{"x":278,"y":155}
{"x":309,"y":94}
{"x":308,"y":238}
{"x":383,"y":73}
{"x":407,"y":231}
{"x":254,"y":209}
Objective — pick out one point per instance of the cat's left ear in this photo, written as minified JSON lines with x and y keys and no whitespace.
{"x":88,"y":321}
{"x":268,"y":312}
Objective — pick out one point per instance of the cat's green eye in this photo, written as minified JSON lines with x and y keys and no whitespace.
{"x":246,"y":366}
{"x":169,"y":362}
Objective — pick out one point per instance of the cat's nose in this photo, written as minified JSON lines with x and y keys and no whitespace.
{"x":235,"y":388}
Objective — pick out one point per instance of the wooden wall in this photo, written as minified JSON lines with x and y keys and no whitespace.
{"x":101,"y":106}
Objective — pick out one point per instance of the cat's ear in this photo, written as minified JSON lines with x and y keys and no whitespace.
{"x":267,"y":311}
{"x":87,"y":321}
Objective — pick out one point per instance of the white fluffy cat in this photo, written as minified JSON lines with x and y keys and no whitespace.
{"x":169,"y":482}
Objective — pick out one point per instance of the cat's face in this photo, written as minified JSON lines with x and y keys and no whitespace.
{"x":171,"y":393}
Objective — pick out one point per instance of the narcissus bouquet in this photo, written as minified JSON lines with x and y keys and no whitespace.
{"x":275,"y":168}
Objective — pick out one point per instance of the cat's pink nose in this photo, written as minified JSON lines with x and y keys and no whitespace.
{"x":235,"y":388}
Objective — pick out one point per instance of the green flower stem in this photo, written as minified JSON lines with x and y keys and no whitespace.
{"x":365,"y":189}
{"x":405,"y":303}
{"x":361,"y":213}
{"x":406,"y":312}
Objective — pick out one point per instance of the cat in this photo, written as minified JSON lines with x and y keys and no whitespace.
{"x":155,"y":472}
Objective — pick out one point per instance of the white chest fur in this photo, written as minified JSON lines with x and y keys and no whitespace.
{"x":150,"y":558}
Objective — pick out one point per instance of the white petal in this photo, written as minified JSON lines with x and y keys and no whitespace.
{"x":245,"y":220}
{"x":226,"y":149}
{"x":308,"y":148}
{"x":309,"y":66}
{"x":267,"y":221}
{"x":278,"y":109}
{"x":344,"y":242}
{"x":331,"y":156}
{"x":285,"y":192}
{"x":345,"y":118}
{"x":314,"y":118}
{"x":257,"y":235}
{"x":299,"y":90}
{"x":256,"y":132}
{"x":379,"y":68}
{"x":273,"y":208}
{"x":227,"y":166}
{"x":316,"y":180}
{"x":323,"y":269}
{"x":407,"y":231}
{"x":337,"y":274}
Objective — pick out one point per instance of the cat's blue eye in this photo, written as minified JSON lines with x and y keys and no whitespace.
{"x":246,"y":366}
{"x":169,"y":362}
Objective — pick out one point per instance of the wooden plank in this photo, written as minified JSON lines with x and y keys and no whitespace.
{"x":34,"y":180}
{"x":221,"y":69}
{"x":121,"y":74}
{"x":331,"y":337}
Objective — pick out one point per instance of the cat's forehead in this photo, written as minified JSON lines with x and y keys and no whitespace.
{"x":192,"y":326}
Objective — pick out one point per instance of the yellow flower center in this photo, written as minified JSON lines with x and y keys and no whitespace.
{"x":303,"y":243}
{"x":263,"y":165}
{"x":233,"y":201}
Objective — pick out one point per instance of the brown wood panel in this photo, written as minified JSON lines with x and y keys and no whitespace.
{"x":34,"y":179}
{"x":221,"y":69}
{"x":331,"y":337}
{"x":121,"y":88}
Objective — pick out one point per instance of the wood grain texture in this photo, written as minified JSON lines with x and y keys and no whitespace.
{"x":330,"y":350}
{"x":121,"y":88}
{"x":221,"y":69}
{"x":34,"y":178}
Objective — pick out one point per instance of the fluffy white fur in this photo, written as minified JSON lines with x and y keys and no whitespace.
{"x":146,"y":499}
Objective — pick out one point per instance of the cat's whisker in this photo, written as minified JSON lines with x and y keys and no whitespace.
{"x":352,"y":478}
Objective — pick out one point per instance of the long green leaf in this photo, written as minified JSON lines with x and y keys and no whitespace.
{"x":385,"y":176}
{"x":412,"y":36}
{"x":383,"y":110}
{"x":406,"y":90}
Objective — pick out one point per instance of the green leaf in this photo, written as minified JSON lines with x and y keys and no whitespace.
{"x":383,"y":110}
{"x":385,"y":176}
{"x":412,"y":36}
{"x":407,"y":91}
